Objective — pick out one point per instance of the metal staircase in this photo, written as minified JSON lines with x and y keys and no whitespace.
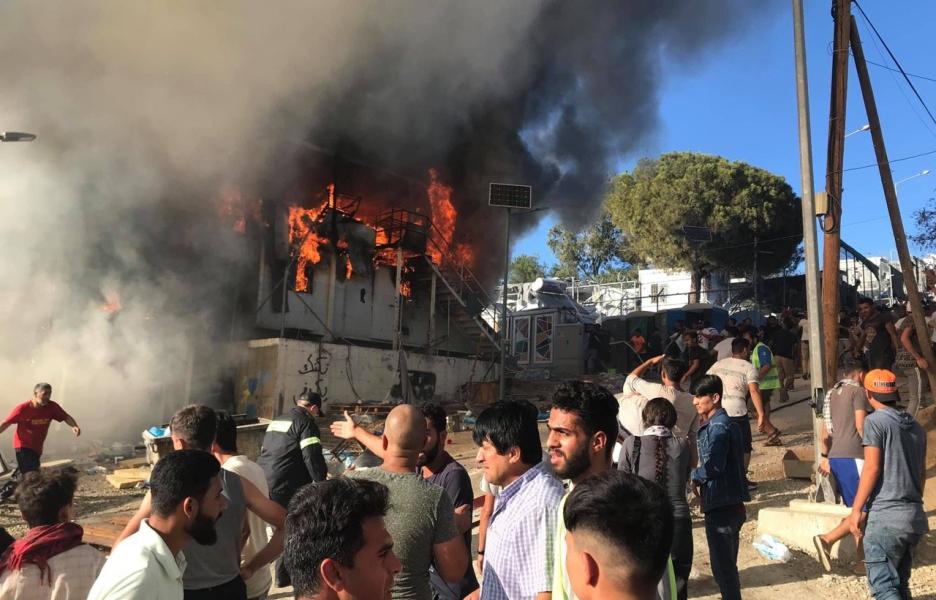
{"x":468,"y":304}
{"x":458,"y":290}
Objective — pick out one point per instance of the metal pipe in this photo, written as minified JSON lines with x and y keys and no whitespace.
{"x":503,"y":327}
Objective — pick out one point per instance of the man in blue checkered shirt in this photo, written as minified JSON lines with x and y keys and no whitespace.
{"x":518,"y":553}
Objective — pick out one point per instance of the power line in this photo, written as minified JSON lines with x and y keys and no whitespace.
{"x":883,"y":66}
{"x":893,"y":160}
{"x":896,"y":62}
{"x":903,"y":93}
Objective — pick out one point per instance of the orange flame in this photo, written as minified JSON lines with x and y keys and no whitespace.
{"x":234,"y":209}
{"x":301,"y":224}
{"x":112,"y":303}
{"x":303,"y":232}
{"x":443,"y":216}
{"x":344,"y":246}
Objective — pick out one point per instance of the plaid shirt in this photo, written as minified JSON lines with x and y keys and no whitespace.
{"x":518,"y":558}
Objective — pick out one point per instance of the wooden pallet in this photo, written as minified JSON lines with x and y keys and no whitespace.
{"x":127,"y":478}
{"x":104,"y":532}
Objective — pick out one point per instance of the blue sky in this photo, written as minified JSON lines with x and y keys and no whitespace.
{"x":739,"y":101}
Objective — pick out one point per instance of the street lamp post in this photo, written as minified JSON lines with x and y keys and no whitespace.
{"x":864,"y":127}
{"x":16,"y":136}
{"x":922,"y":173}
{"x":510,"y":196}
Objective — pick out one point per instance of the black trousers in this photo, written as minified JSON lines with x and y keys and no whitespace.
{"x":682,"y":555}
{"x":27,"y":460}
{"x":234,"y":589}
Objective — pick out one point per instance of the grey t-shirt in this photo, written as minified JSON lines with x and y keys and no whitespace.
{"x":677,"y":466}
{"x":219,"y":563}
{"x":897,"y":499}
{"x":843,"y":402}
{"x":420,"y":516}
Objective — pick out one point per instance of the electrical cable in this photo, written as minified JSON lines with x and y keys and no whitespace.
{"x":900,"y":88}
{"x":896,"y":62}
{"x":893,"y":160}
{"x":883,"y":66}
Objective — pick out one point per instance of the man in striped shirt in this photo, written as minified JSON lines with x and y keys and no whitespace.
{"x":520,"y":533}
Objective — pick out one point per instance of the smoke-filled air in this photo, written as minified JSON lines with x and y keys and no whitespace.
{"x":117,"y":243}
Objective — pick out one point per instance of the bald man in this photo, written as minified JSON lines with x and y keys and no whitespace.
{"x":421,"y":518}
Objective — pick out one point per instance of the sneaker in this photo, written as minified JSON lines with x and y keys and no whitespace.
{"x":823,"y":552}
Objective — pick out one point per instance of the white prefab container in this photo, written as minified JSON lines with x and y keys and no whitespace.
{"x":249,"y":440}
{"x":272,"y":373}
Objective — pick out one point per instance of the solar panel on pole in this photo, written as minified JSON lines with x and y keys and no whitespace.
{"x":510,"y":195}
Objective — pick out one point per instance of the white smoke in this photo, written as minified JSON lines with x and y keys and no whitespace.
{"x":145,"y":111}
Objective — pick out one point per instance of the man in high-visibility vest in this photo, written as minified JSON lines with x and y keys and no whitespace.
{"x":768,"y":379}
{"x":292,"y":457}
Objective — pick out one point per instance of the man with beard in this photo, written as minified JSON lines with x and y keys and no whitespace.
{"x":215,"y":572}
{"x":440,"y":468}
{"x":185,"y":494}
{"x":582,"y":430}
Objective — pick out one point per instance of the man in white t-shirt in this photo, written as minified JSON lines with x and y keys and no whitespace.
{"x":739,"y":378}
{"x":722,"y":349}
{"x":258,"y":584}
{"x":638,"y":392}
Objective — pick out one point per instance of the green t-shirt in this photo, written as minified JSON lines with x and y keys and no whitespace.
{"x":421,"y":515}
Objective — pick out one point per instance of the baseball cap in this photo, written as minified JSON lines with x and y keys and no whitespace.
{"x":883,"y":386}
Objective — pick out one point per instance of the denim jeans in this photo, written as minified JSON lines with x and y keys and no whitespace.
{"x":722,"y":529}
{"x":888,"y":557}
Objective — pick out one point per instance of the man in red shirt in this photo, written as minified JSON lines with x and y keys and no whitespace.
{"x":32,"y":419}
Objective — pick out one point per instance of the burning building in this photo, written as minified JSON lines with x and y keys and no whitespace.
{"x":350,"y":275}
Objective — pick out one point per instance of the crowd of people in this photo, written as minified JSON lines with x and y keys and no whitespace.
{"x":601,"y":510}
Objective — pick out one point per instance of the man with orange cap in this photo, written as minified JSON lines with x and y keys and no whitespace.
{"x":892,"y":485}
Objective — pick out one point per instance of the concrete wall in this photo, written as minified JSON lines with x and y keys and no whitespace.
{"x":273,"y":372}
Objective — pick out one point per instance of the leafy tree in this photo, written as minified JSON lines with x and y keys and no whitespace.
{"x":925,"y":220}
{"x":598,"y":252}
{"x":737,"y":203}
{"x":526,"y":268}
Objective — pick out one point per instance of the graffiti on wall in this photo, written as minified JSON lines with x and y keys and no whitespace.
{"x":422,"y":384}
{"x":249,"y":388}
{"x":317,"y":364}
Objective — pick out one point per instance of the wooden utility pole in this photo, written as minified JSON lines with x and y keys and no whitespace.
{"x":832,"y":225}
{"x":893,"y":209}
